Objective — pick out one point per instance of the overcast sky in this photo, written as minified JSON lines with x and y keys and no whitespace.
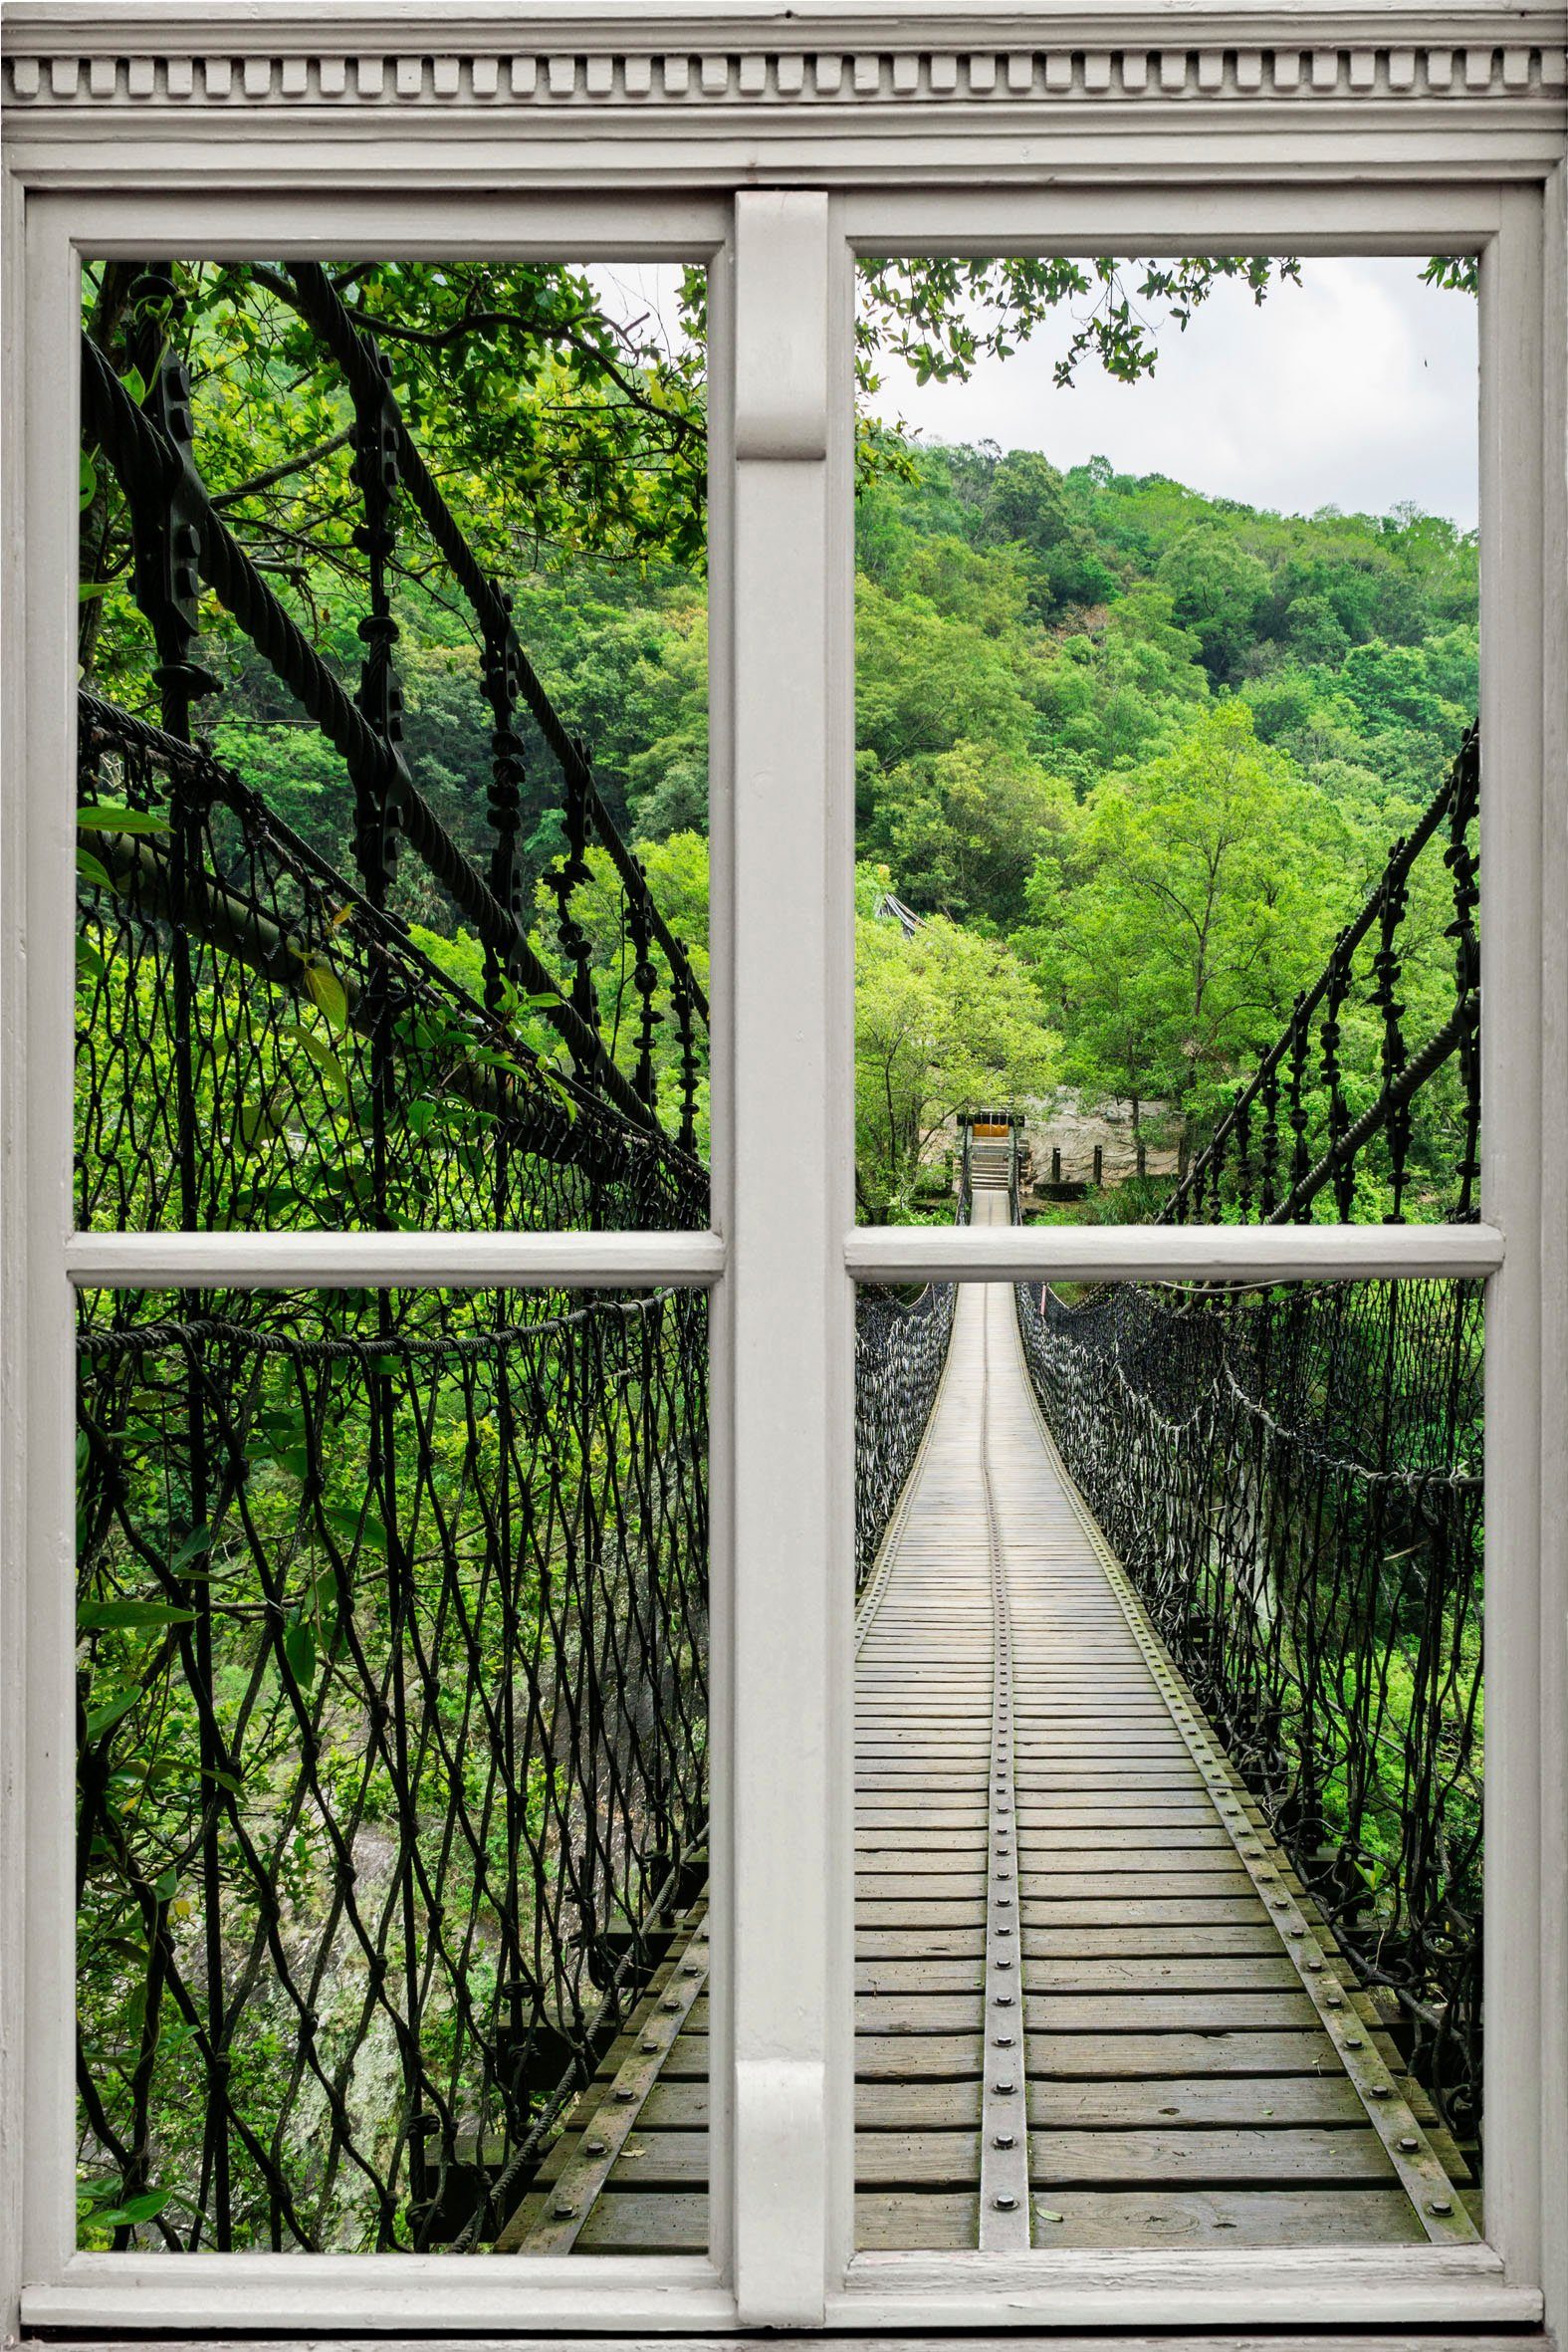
{"x":1356,"y":388}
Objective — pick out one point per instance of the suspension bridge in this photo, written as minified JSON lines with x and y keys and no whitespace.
{"x":392,"y":1753}
{"x":1095,"y":2004}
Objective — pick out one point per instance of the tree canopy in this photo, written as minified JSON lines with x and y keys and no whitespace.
{"x":1131,"y":751}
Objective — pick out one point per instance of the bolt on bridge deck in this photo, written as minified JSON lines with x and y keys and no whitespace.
{"x":1093,"y":2006}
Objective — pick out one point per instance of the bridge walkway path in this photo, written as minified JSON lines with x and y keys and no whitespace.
{"x":1093,"y":2005}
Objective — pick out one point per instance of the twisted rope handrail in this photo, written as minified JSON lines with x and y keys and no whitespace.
{"x":136,"y":444}
{"x":1453,"y":808}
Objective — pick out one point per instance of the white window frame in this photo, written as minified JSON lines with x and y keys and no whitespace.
{"x":776,"y":144}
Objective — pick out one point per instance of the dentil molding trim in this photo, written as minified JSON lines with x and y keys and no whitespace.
{"x":769,"y":58}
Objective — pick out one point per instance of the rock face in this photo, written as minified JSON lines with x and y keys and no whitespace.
{"x":1073,"y":1142}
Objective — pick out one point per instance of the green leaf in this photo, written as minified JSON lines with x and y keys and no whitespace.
{"x":135,"y":385}
{"x":139,"y":2209}
{"x":108,"y":816}
{"x":89,"y":959}
{"x":91,"y":870}
{"x":200,"y":1541}
{"x":356,"y":1528}
{"x":324,"y":989}
{"x":322,"y":1054}
{"x":98,"y":1615}
{"x":88,"y":480}
{"x":299,"y":1648}
{"x":104,"y":1719}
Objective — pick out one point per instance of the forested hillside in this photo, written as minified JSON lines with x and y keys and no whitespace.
{"x":1132,"y":752}
{"x":1156,"y":744}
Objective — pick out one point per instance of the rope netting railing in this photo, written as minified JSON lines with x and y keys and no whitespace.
{"x":392,"y":1663}
{"x":1291,"y":1474}
{"x":1321,"y":1129}
{"x":180,"y":542}
{"x":1292,"y":1479}
{"x":392,"y":1767}
{"x":900,"y":1350}
{"x":332,"y":1073}
{"x":901,"y":1347}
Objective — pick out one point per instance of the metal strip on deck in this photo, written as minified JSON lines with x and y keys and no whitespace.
{"x":1003,"y":2119}
{"x":1093,"y":2006}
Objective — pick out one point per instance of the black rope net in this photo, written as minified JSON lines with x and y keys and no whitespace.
{"x":901,"y":1348}
{"x":641,"y":1054}
{"x":1293,"y":1478}
{"x":392,"y":1663}
{"x":392,"y":1724}
{"x":1367,"y":1108}
{"x":1292,"y":1474}
{"x":259,"y":1047}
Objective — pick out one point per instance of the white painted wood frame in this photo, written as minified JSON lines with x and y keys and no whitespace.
{"x":774,"y":144}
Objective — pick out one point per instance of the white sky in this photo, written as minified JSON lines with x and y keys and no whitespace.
{"x":1356,"y":388}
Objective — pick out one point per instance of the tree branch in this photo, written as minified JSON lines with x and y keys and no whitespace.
{"x":289,"y":465}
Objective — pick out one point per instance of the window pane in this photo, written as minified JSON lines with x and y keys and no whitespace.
{"x":1169,"y":1768}
{"x":1165,"y":783}
{"x":392,"y":786}
{"x":394,"y":1779}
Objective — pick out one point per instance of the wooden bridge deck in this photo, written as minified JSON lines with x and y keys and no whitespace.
{"x":1093,"y":2006}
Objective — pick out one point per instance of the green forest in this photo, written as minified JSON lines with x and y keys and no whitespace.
{"x":1134,"y":753}
{"x":1139,"y":754}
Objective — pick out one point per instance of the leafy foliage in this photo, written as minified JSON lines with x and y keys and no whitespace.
{"x":942,"y":1018}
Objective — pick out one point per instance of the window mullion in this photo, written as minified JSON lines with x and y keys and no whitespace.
{"x":1513,"y":573}
{"x":787,"y":1298}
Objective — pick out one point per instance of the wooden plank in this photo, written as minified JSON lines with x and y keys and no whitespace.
{"x":910,"y":1943}
{"x":1184,"y":1973}
{"x":1251,"y":2100}
{"x":1126,"y":1846}
{"x":1220,"y":2158}
{"x":1105,"y":1886}
{"x":918,"y":2012}
{"x":923,"y":1974}
{"x":645,"y":2225}
{"x":885,"y":2224}
{"x":1185,"y":1858}
{"x":1184,"y":2013}
{"x":906,"y":2057}
{"x":921,"y":1887}
{"x":872,"y":1912}
{"x":891,"y":2224}
{"x":1136,"y":1911}
{"x":1228,"y":2217}
{"x":1174,"y":2051}
{"x":1170,"y":1939}
{"x":656,"y":2159}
